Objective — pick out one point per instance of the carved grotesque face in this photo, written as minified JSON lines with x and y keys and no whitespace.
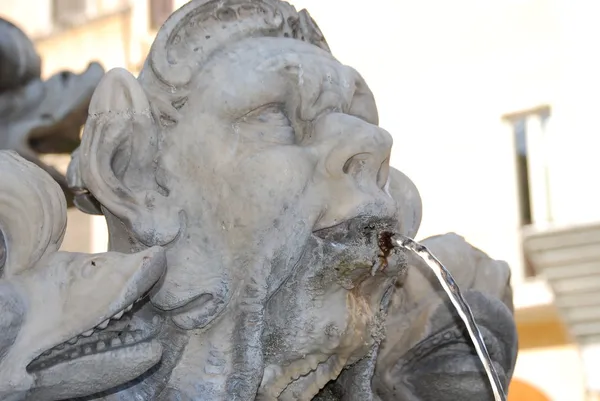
{"x":270,"y":153}
{"x":279,"y":144}
{"x":254,"y":158}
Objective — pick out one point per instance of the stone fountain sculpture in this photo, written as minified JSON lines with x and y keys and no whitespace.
{"x":38,"y":116}
{"x":254,"y":159}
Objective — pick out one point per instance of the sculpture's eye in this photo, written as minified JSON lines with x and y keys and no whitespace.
{"x":3,"y":252}
{"x":266,"y":124}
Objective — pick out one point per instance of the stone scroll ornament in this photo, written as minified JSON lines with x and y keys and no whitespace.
{"x":62,"y":332}
{"x":37,"y":116}
{"x":248,"y":153}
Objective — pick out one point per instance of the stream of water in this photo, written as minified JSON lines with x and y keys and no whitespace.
{"x":461,"y":306}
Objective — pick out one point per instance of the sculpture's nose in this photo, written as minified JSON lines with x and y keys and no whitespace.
{"x":355,"y":165}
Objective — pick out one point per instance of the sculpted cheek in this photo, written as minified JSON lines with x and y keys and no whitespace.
{"x":278,"y":176}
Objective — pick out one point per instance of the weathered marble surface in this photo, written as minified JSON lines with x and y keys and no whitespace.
{"x":254,"y":159}
{"x":40,"y":117}
{"x":50,"y":298}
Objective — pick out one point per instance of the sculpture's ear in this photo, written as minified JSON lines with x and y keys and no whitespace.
{"x":33,"y":214}
{"x":116,"y":159}
{"x":410,"y":207}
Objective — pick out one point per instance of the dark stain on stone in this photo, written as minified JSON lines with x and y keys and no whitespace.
{"x":385,"y":245}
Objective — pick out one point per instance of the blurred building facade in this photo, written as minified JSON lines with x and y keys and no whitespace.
{"x":492,"y":109}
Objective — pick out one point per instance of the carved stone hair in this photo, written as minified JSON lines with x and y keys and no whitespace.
{"x":200,"y":28}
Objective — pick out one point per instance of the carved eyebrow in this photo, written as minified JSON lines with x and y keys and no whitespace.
{"x":324,"y":86}
{"x":305,"y":79}
{"x":363,"y":104}
{"x":357,"y":101}
{"x":257,"y":111}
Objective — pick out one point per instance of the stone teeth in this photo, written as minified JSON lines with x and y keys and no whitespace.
{"x":72,"y":341}
{"x":137,"y":336}
{"x":130,"y":307}
{"x":100,"y":346}
{"x":87,"y":350}
{"x":103,"y":325}
{"x":129,"y":339}
{"x":88,"y":333}
{"x":118,"y":315}
{"x":47,"y":353}
{"x":115,"y":342}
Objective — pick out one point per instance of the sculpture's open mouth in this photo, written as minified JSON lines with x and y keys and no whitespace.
{"x":109,"y":339}
{"x":111,"y":343}
{"x":357,"y":256}
{"x":363,"y":245}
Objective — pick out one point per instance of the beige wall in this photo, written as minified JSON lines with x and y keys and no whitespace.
{"x":106,"y":40}
{"x":36,"y":23}
{"x":575,"y":143}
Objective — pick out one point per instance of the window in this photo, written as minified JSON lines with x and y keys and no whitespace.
{"x":68,"y":13}
{"x":523,"y":190}
{"x":160,"y":10}
{"x":71,"y":13}
{"x":529,"y":133}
